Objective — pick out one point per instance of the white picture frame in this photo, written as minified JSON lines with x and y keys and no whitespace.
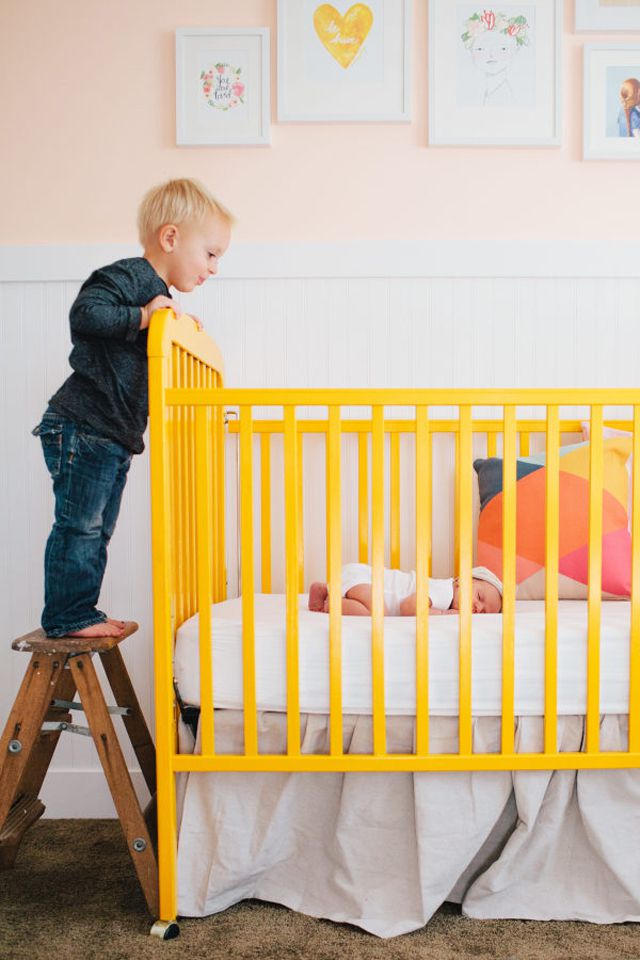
{"x":494,"y":73}
{"x":222,"y":86}
{"x":611,"y":132}
{"x":337,"y":63}
{"x":607,"y":16}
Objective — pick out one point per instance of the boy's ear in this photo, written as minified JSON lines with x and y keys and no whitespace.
{"x":167,"y":237}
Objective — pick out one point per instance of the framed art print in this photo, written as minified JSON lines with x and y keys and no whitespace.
{"x":611,"y":102}
{"x":222,"y":86}
{"x":344,"y":61}
{"x":607,"y":16}
{"x":494,"y":72}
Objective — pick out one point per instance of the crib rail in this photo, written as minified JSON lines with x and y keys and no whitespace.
{"x":188,"y":404}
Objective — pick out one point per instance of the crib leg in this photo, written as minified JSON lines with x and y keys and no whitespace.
{"x":165,"y":930}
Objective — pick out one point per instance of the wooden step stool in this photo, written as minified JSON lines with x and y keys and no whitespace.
{"x":58,"y":668}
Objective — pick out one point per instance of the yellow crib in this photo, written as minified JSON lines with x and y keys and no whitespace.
{"x":189,"y":424}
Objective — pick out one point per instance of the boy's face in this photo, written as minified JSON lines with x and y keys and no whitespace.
{"x":195,"y":251}
{"x":485,"y":598}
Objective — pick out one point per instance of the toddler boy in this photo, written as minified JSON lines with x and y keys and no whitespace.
{"x":95,"y":421}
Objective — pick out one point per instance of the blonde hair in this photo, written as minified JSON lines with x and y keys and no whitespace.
{"x":176,"y":201}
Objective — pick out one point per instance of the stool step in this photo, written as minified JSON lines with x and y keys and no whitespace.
{"x":38,"y":642}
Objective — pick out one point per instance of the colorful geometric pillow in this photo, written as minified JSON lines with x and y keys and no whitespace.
{"x":531,"y":476}
{"x":608,"y":433}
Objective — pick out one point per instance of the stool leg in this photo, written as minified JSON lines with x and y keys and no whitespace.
{"x":135,"y":724}
{"x":24,"y":757}
{"x":45,"y":745}
{"x":118,"y":778}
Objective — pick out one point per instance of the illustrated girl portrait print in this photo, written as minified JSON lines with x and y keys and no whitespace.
{"x":495,"y":39}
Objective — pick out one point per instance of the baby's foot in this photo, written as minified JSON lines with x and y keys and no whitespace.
{"x":118,"y":623}
{"x":318,"y":593}
{"x":106,"y":629}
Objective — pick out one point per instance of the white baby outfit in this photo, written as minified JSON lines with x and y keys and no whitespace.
{"x":398,"y":585}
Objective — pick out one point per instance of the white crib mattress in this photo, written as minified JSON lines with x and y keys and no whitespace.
{"x":399,"y":652}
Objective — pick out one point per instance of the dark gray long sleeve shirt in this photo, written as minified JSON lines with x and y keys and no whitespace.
{"x":108,"y":389}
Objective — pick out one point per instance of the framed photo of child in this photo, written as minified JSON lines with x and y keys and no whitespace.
{"x":611,"y":102}
{"x":494,"y":72}
{"x":344,"y":61}
{"x":606,"y":16}
{"x":222,"y":86}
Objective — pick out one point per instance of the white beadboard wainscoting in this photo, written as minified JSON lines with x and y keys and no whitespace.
{"x":375,"y":314}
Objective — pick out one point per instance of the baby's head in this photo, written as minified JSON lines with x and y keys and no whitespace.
{"x":486,"y":592}
{"x":184,"y":231}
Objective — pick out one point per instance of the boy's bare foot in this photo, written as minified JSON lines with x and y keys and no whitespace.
{"x":318,"y":593}
{"x":118,"y":623}
{"x":106,"y":629}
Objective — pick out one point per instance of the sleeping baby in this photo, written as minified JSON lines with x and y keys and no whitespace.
{"x":400,"y":593}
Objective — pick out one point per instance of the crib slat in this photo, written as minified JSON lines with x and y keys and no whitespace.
{"x":183,"y":473}
{"x":423,"y":569}
{"x":492,"y":444}
{"x":334,"y":551}
{"x":595,"y":581}
{"x":248,"y":583}
{"x":292,"y":574}
{"x":394,"y":497}
{"x":363,"y":496}
{"x":173,"y":426}
{"x":214,"y":493}
{"x":508,"y":576}
{"x":525,"y":444}
{"x":456,"y":503}
{"x":465,"y":535}
{"x":191,"y":492}
{"x":552,"y":550}
{"x":300,"y":514}
{"x":377,"y":595}
{"x":220,"y":509}
{"x":204,"y":578}
{"x":265,"y":511}
{"x":634,"y":642}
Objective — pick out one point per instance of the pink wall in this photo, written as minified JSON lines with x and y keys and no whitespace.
{"x":88,"y":123}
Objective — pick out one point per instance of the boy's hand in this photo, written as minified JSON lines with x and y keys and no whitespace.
{"x":158,"y":303}
{"x":197,"y":321}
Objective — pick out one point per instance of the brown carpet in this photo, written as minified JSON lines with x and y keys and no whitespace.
{"x":73,"y":895}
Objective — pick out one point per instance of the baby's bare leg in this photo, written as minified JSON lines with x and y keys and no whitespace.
{"x":361,"y":593}
{"x":355,"y":603}
{"x":354,"y":608}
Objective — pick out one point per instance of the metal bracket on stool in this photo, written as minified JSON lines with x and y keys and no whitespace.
{"x":51,"y":726}
{"x":72,"y":705}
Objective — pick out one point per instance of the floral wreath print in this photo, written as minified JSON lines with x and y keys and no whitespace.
{"x":222,"y":87}
{"x":489,"y":21}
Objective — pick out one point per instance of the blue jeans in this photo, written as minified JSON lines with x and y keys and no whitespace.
{"x":89,"y":473}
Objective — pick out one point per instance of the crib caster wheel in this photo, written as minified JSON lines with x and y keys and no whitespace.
{"x":165,"y":930}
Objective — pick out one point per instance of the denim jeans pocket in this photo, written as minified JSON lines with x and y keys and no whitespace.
{"x":50,"y":432}
{"x":92,"y":444}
